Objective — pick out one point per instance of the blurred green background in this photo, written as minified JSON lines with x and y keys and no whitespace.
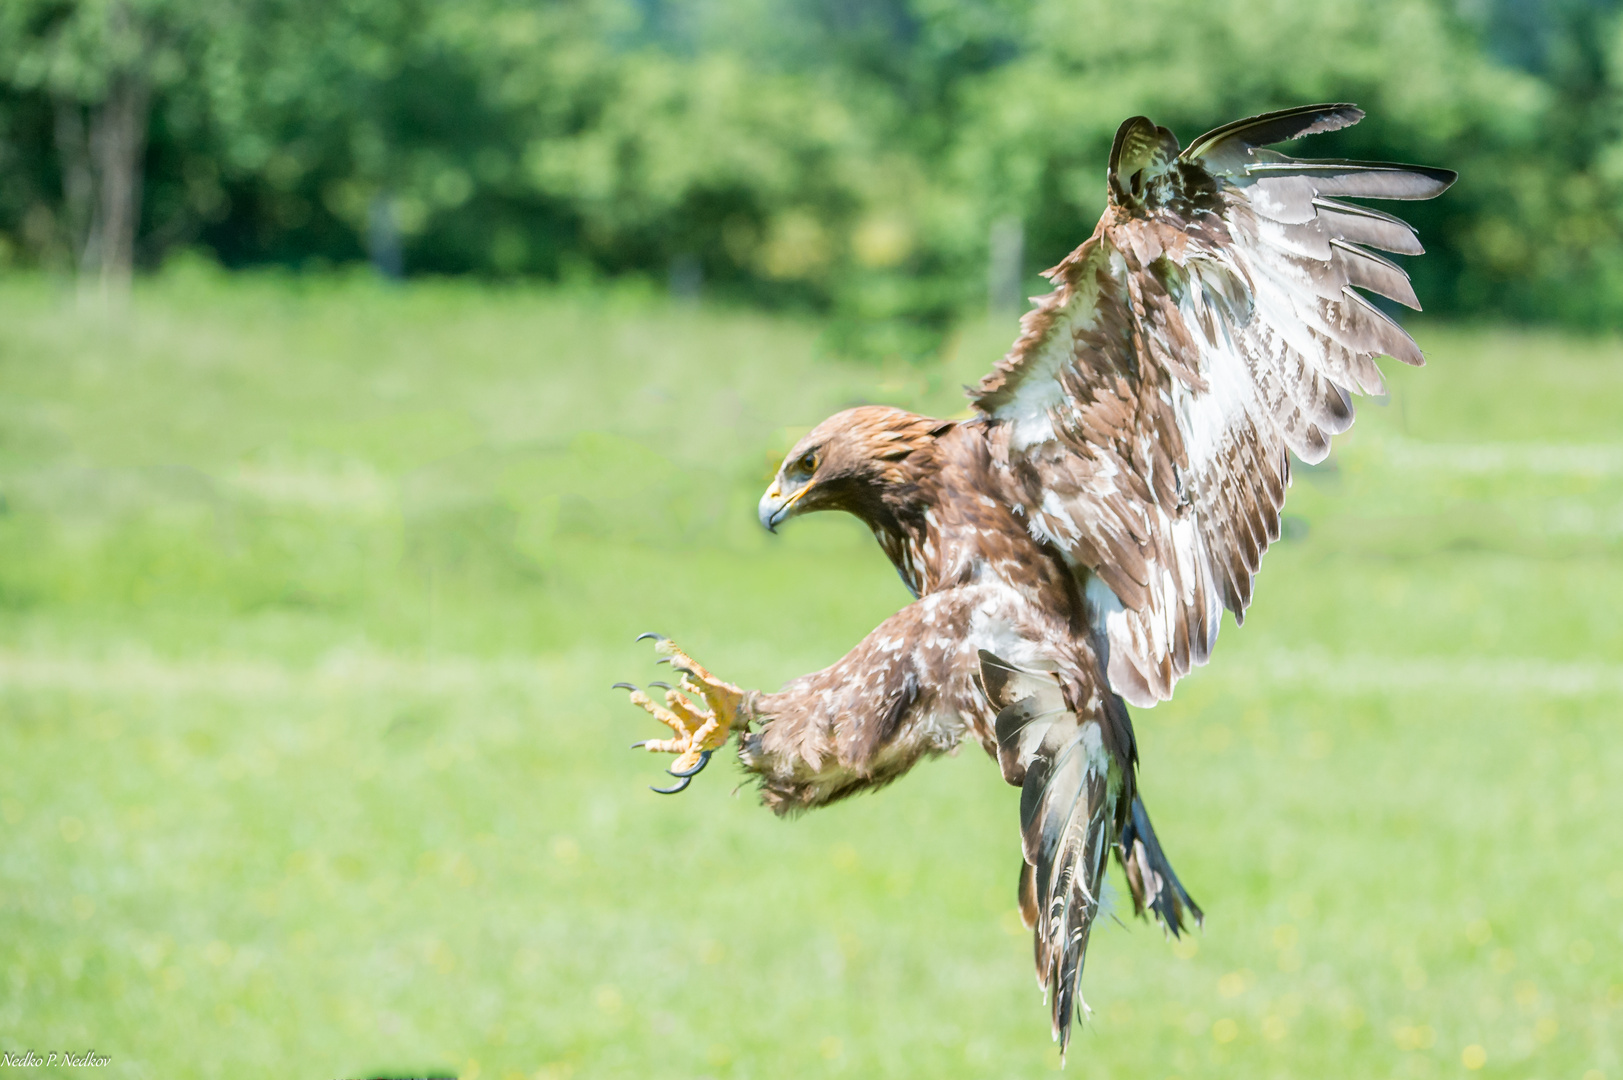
{"x":848,"y":158}
{"x":461,"y":341}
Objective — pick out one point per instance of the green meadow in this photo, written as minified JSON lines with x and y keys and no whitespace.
{"x":312,"y":591}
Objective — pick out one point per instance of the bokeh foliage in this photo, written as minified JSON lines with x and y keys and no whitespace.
{"x":844,"y":156}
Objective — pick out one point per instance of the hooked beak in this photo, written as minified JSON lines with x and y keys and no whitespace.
{"x":774,"y":508}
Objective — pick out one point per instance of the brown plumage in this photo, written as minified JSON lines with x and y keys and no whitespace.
{"x":1074,"y":544}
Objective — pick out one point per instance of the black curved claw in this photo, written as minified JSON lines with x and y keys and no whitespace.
{"x":639,"y":745}
{"x":680,"y":785}
{"x":661,"y":685}
{"x":651,"y":634}
{"x":704,"y":759}
{"x":623,"y":686}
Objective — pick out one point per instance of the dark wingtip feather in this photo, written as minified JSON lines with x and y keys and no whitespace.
{"x":1275,"y":127}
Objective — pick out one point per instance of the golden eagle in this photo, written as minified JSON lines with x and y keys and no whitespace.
{"x":1072,"y":546}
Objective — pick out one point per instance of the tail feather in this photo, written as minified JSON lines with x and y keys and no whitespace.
{"x":1077,"y":804}
{"x":1072,"y":809}
{"x":1150,"y":877}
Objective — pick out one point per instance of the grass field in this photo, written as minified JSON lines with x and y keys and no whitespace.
{"x":311,"y":593}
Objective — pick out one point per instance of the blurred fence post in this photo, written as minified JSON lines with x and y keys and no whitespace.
{"x":383,"y":237}
{"x":1006,"y":252}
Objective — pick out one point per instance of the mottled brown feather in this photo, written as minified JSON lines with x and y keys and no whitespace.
{"x":1117,"y":489}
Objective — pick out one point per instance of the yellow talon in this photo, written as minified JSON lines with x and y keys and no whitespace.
{"x":702,"y":713}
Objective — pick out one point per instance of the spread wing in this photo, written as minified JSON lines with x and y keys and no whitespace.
{"x":1212,"y":323}
{"x":1075,"y":773}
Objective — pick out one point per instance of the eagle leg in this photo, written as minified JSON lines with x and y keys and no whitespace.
{"x":702,"y":713}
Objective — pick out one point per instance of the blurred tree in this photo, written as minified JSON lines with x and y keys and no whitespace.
{"x":852,"y":156}
{"x":98,"y":62}
{"x":1545,"y":239}
{"x":332,"y":116}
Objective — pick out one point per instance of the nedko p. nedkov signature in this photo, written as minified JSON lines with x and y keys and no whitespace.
{"x":33,"y":1059}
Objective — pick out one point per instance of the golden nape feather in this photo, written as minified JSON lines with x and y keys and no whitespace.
{"x":1073,"y":546}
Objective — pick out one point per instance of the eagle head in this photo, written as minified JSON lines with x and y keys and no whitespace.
{"x":863,"y":461}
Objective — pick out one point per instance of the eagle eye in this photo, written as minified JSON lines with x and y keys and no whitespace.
{"x":807,"y":463}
